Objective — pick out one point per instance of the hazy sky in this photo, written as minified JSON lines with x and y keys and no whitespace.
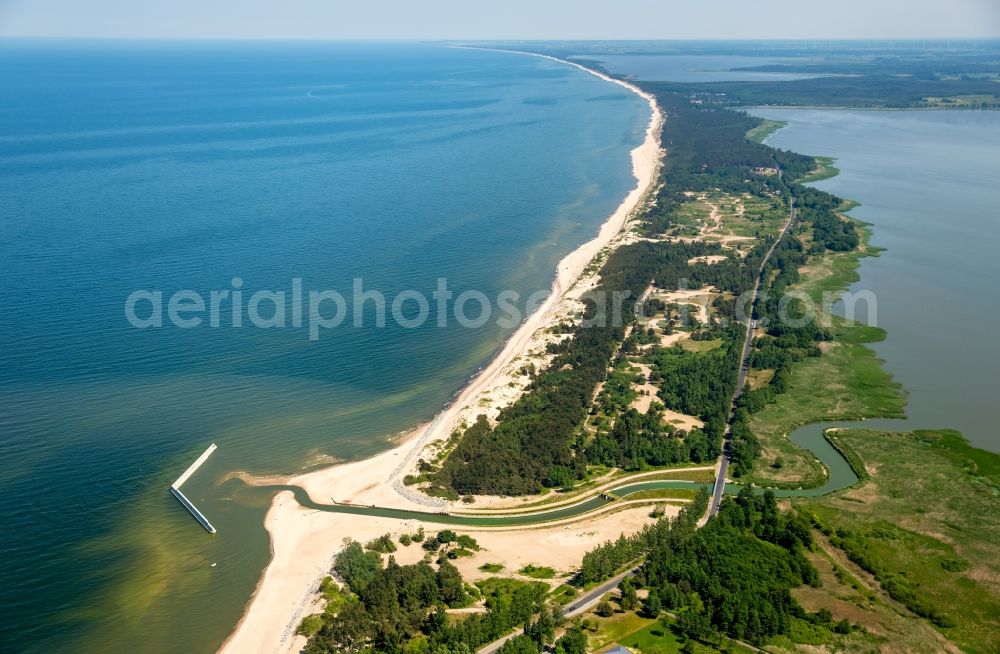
{"x":502,"y":19}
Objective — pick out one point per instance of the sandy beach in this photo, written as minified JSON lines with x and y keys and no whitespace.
{"x":304,"y":541}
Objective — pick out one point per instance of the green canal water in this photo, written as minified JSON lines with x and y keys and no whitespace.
{"x":811,"y":437}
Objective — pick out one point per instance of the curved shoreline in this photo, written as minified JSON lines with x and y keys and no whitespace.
{"x":569,"y":271}
{"x":302,"y":541}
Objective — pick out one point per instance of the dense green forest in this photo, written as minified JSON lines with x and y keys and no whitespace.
{"x":919,"y":64}
{"x":538,"y":441}
{"x":876,"y":91}
{"x":734,"y":575}
{"x":731,"y":577}
{"x":394,"y":608}
{"x":848,"y":74}
{"x":540,"y":431}
{"x":607,"y":559}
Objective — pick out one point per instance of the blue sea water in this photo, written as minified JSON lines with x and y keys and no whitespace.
{"x":170,"y":166}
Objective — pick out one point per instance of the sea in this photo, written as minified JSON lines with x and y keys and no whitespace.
{"x":140,"y":181}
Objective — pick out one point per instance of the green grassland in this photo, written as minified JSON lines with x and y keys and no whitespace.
{"x":845,"y":383}
{"x":660,"y":639}
{"x":643,"y":635}
{"x":536,"y":572}
{"x":925,"y":523}
{"x":504,"y":587}
{"x":739,"y":215}
{"x":610,"y":630}
{"x":704,"y":476}
{"x":700,"y":346}
{"x":760,"y":133}
{"x":759,"y":216}
{"x":824,"y":170}
{"x":849,"y":593}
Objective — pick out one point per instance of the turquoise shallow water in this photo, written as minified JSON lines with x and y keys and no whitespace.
{"x":180,"y":166}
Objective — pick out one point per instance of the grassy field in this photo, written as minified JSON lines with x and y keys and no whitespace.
{"x":643,"y":635}
{"x":700,"y":346}
{"x":845,"y":383}
{"x":760,"y":378}
{"x":536,"y":572}
{"x":749,"y":215}
{"x":660,"y":639}
{"x":924,"y":524}
{"x":563,"y":594}
{"x":824,"y":170}
{"x":744,"y":216}
{"x":610,"y":630}
{"x":760,"y":133}
{"x":704,"y":476}
{"x":845,"y":592}
{"x":504,"y":586}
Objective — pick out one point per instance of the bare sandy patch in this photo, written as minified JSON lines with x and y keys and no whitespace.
{"x":646,"y":394}
{"x":708,"y":258}
{"x":681,"y":420}
{"x":560,"y":547}
{"x":669,"y":340}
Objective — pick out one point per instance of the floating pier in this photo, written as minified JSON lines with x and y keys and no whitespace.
{"x":175,"y":489}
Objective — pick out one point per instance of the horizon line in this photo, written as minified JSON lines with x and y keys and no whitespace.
{"x":908,"y":39}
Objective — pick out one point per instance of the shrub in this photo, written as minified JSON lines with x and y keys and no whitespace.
{"x":310,"y":625}
{"x":383,"y":544}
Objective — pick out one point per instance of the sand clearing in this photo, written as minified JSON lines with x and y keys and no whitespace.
{"x":697,"y":298}
{"x":708,"y":258}
{"x":647,"y":393}
{"x":670,"y":340}
{"x":559,"y":547}
{"x":304,"y":541}
{"x":682,"y":420}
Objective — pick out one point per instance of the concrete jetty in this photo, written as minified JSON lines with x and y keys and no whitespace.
{"x":175,"y":489}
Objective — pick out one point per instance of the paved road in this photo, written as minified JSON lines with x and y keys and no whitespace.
{"x":593,"y":596}
{"x":575,"y":608}
{"x":720,"y":477}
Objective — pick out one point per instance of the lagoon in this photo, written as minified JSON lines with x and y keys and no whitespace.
{"x":927,"y":182}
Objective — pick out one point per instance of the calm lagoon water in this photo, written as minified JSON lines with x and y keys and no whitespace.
{"x":927,"y":181}
{"x":697,"y":68}
{"x":180,"y":166}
